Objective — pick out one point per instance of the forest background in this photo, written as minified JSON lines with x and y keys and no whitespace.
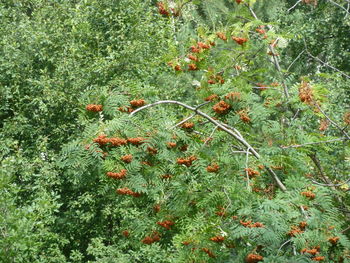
{"x":245,"y":157}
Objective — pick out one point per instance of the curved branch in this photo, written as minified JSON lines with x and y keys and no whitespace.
{"x":230,"y":131}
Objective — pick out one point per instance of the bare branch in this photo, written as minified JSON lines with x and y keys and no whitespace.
{"x":324,"y":63}
{"x":183,"y":121}
{"x":331,"y":121}
{"x":302,"y":52}
{"x":331,"y":185}
{"x":220,"y":125}
{"x":290,"y":9}
{"x":342,"y":7}
{"x":310,"y":143}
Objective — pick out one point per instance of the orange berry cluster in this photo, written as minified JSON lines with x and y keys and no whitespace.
{"x":333,"y":240}
{"x":167,"y":176}
{"x":171,"y":144}
{"x":136,"y":141}
{"x":115,"y":141}
{"x":208,"y":252}
{"x":212,"y":97}
{"x":127,"y":191}
{"x":126,"y":158}
{"x":217,"y":239}
{"x":253,"y":258}
{"x":221,"y":212}
{"x":310,"y":2}
{"x":186,"y":161}
{"x":347,"y":118}
{"x":94,"y":107}
{"x":187,"y":125}
{"x":251,"y":173}
{"x":152,"y":150}
{"x":305,"y":92}
{"x":156,"y":208}
{"x":221,"y":107}
{"x":302,"y":225}
{"x":192,"y":57}
{"x":192,"y":67}
{"x":186,"y":243}
{"x":213,"y":168}
{"x":243,"y":115}
{"x":221,"y":35}
{"x":250,"y":224}
{"x":294,"y":231}
{"x":308,"y":194}
{"x":151,"y":239}
{"x":216,"y":79}
{"x":233,"y":96}
{"x":166,"y":224}
{"x":125,"y":233}
{"x":239,"y":40}
{"x":314,"y":251}
{"x":137,"y":103}
{"x":119,"y":175}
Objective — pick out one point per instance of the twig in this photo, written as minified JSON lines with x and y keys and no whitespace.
{"x":275,"y":60}
{"x":329,"y":119}
{"x":285,"y":243}
{"x":229,"y":131}
{"x":210,"y":136}
{"x":183,"y":121}
{"x":331,"y":185}
{"x":246,"y":170}
{"x":290,"y":9}
{"x":346,"y":229}
{"x":324,"y":63}
{"x":309,"y":143}
{"x":342,"y":7}
{"x":302,"y":52}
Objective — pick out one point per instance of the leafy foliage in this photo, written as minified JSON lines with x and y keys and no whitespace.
{"x":244,"y":159}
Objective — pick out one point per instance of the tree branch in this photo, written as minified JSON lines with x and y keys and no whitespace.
{"x":238,"y":137}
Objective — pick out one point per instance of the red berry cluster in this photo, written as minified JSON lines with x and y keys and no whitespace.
{"x":155,"y":237}
{"x":233,"y":96}
{"x":217,"y":239}
{"x":212,"y":97}
{"x":137,"y":103}
{"x":251,"y":172}
{"x":127,"y":191}
{"x":221,"y":107}
{"x":125,"y":233}
{"x":208,"y":252}
{"x":213,"y":168}
{"x":250,"y":224}
{"x":115,"y":141}
{"x":186,"y":161}
{"x":305,"y":92}
{"x":166,"y":224}
{"x":126,"y":158}
{"x":314,"y":251}
{"x":119,"y":175}
{"x":171,"y":144}
{"x":221,"y":211}
{"x":136,"y":141}
{"x":308,"y":194}
{"x":347,"y":118}
{"x":239,"y":40}
{"x":333,"y":240}
{"x":221,"y":35}
{"x":295,"y":230}
{"x":253,"y":258}
{"x":94,"y":107}
{"x":243,"y":115}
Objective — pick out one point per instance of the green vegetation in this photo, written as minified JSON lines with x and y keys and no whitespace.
{"x":174,"y":131}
